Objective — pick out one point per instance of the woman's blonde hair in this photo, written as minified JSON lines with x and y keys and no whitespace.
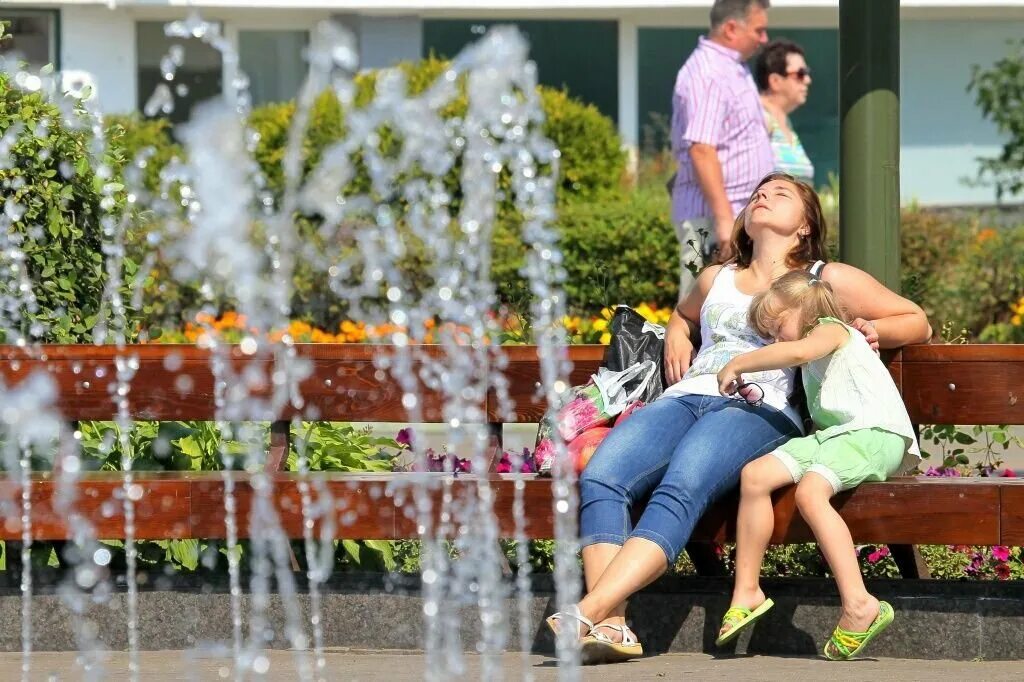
{"x":797,"y":290}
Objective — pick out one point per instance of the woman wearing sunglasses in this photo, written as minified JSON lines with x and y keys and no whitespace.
{"x":783,"y":77}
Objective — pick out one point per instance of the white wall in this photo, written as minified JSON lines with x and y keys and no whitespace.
{"x":942,"y":131}
{"x":102,"y":43}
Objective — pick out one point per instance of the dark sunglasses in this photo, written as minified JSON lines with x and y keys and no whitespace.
{"x":754,"y":397}
{"x":801,"y":74}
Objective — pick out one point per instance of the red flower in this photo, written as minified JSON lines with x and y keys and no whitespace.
{"x":1003,"y":571}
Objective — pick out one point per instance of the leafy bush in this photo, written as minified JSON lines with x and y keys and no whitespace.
{"x":999,"y":92}
{"x":960,"y":272}
{"x":136,"y":138}
{"x":52,"y":199}
{"x":614,"y":251}
{"x":592,"y":161}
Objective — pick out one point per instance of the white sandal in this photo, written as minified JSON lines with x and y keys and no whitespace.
{"x":573,"y":612}
{"x":600,"y":648}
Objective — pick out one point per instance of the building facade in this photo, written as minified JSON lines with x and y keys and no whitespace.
{"x":620,"y":55}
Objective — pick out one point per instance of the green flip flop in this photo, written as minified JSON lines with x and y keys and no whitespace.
{"x":844,"y":645}
{"x":738,"y":617}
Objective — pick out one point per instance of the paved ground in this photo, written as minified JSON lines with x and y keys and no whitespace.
{"x":398,"y":667}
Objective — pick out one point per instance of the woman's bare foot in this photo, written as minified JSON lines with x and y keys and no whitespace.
{"x":559,"y":620}
{"x":610,"y":628}
{"x":858,"y":616}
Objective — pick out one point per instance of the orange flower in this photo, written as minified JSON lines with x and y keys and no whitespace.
{"x":985,"y":235}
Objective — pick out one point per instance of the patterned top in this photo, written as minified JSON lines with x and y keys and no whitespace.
{"x":726,"y":333}
{"x":790,"y":156}
{"x":851,"y":389}
{"x":715,"y":102}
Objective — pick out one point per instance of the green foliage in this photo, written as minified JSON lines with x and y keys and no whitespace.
{"x":960,"y":272}
{"x":614,"y":251}
{"x":341,"y":447}
{"x":999,"y":93}
{"x":54,"y":195}
{"x":591,"y":163}
{"x":140,"y":139}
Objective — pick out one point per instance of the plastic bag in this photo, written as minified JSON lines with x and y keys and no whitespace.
{"x":592,"y":405}
{"x":635,"y":340}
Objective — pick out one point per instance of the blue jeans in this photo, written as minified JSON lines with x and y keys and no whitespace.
{"x":683,"y":452}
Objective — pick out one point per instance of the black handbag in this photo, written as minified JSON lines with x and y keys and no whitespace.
{"x":635,"y":340}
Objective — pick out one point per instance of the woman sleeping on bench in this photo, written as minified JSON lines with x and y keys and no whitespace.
{"x":686,"y":449}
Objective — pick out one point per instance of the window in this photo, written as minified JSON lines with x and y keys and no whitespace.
{"x":198,"y":78}
{"x":274,"y":63}
{"x":30,"y":35}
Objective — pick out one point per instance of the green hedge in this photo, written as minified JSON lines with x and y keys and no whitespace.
{"x":52,"y":197}
{"x":614,"y":251}
{"x":592,"y":160}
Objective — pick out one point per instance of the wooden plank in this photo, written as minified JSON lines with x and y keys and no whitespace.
{"x":964,"y":392}
{"x":901,"y":511}
{"x":360,"y":505}
{"x":161,"y":508}
{"x":345,"y":384}
{"x":981,"y":352}
{"x":523,"y":374}
{"x":1012,"y":515}
{"x":382,"y":506}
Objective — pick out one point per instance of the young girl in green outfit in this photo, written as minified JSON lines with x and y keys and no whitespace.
{"x":862,"y":434}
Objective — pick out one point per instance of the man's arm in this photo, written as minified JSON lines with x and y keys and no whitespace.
{"x":708,"y":169}
{"x":824,"y":339}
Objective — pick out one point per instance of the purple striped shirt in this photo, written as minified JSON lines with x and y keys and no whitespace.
{"x":715,"y":102}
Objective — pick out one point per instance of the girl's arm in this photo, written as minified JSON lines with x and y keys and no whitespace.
{"x":685,"y":320}
{"x":898,"y":321}
{"x":823,"y":339}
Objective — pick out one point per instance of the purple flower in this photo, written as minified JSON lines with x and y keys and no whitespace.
{"x":1001,"y":553}
{"x":404,"y":437}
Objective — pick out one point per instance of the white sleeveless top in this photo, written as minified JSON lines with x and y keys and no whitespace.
{"x":725,"y":333}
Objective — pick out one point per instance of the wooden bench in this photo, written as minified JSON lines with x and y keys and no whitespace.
{"x":941,"y":384}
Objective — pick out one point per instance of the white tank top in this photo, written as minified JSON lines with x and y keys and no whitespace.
{"x":725,"y":333}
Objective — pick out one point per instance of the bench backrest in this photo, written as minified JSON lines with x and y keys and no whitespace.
{"x":941,"y":384}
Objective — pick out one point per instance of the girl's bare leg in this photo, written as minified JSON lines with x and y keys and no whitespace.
{"x":860,"y":608}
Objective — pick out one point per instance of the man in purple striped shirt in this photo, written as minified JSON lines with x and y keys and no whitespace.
{"x":719,"y":136}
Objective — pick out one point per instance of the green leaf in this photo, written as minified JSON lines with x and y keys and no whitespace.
{"x":185,"y":553}
{"x":353,"y":550}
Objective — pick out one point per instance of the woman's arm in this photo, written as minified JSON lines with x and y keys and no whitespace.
{"x":823,"y":339}
{"x":684,"y":321}
{"x":898,"y":321}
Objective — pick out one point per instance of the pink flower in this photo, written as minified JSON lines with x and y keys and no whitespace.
{"x":1001,"y":553}
{"x":879,"y":554}
{"x":504,"y":466}
{"x":1008,"y":473}
{"x":432,"y":462}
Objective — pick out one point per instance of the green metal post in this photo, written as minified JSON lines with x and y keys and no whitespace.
{"x":869,"y":159}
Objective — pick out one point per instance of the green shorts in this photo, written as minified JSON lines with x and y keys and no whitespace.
{"x":846,"y":460}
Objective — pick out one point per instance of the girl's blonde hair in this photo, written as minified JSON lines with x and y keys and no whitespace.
{"x":797,"y":290}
